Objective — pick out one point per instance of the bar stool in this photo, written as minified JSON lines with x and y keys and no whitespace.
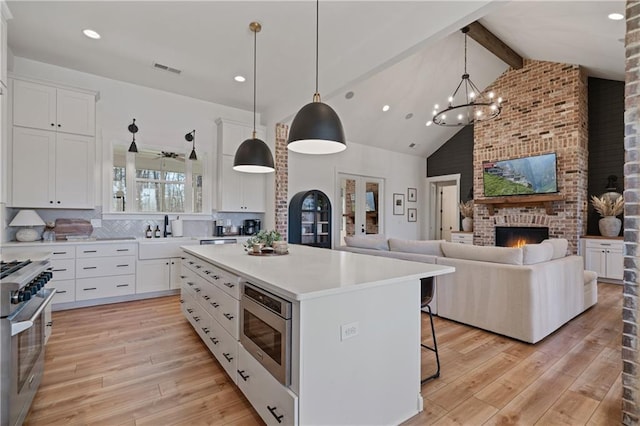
{"x":426,"y":290}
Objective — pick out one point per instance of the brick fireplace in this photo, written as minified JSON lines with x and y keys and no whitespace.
{"x":544,"y":110}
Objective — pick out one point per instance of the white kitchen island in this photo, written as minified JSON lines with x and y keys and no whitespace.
{"x":369,"y":375}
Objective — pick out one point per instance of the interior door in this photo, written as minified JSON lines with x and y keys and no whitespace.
{"x":447,"y":210}
{"x":361,"y":199}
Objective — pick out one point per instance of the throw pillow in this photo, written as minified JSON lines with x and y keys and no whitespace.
{"x":507,"y":255}
{"x":536,"y":253}
{"x":374,"y":242}
{"x":431,"y":247}
{"x":560,"y":246}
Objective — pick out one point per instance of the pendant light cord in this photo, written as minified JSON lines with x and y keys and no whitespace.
{"x":255,"y":43}
{"x":317,"y":40}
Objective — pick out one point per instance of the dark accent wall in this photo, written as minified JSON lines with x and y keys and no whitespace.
{"x":455,"y":156}
{"x":606,"y":140}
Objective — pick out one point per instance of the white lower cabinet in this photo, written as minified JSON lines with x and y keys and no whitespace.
{"x":605,"y":257}
{"x":210,"y":301}
{"x":158,"y":275}
{"x":48,"y":323}
{"x":274,"y":402}
{"x":462,"y":237}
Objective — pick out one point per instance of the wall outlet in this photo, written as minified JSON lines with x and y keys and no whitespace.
{"x":96,"y":223}
{"x":347,"y":331}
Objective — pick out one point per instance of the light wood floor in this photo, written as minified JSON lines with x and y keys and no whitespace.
{"x":140,"y":363}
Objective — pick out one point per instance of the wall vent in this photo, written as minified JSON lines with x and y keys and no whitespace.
{"x":162,"y":67}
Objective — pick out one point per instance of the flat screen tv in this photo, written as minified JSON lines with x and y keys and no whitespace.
{"x":520,"y":176}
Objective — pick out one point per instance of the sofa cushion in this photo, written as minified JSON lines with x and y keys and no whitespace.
{"x":536,"y":253}
{"x":507,"y":255}
{"x":560,"y":246}
{"x":431,"y":247}
{"x":376,"y":242}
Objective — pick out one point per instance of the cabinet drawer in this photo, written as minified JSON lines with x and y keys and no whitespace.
{"x":597,"y":243}
{"x":98,"y":250}
{"x":228,"y":282}
{"x":226,"y":351}
{"x":95,"y":288}
{"x":58,"y":251}
{"x":227,"y":314}
{"x":63,"y":269}
{"x":105,"y":266}
{"x":275,"y":403}
{"x":65,"y":291}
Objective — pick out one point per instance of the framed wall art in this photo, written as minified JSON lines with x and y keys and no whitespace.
{"x":412,"y":195}
{"x":412,"y":215}
{"x":398,"y":204}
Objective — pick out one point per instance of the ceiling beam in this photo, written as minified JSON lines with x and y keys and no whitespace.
{"x":494,"y":45}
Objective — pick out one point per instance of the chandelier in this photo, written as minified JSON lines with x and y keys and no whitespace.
{"x":473,"y":106}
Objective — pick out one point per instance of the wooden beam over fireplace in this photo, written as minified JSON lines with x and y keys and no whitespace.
{"x":543,"y":200}
{"x":494,"y":45}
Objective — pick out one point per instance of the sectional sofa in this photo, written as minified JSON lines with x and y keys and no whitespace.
{"x":525,"y":293}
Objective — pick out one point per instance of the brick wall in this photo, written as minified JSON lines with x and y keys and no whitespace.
{"x":544,"y":110}
{"x":282,"y":180}
{"x":630,"y":311}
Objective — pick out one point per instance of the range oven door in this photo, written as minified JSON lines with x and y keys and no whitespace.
{"x":267,"y":337}
{"x":27,"y":355}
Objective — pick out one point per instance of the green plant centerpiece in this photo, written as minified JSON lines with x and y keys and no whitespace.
{"x":264,"y":238}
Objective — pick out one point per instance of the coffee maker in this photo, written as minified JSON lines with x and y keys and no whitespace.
{"x":251,"y":226}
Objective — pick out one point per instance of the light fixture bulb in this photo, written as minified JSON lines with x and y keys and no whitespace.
{"x":91,"y":34}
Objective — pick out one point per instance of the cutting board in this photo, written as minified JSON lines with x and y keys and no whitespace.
{"x":72,"y":227}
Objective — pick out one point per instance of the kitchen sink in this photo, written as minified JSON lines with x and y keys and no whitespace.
{"x":162,"y":248}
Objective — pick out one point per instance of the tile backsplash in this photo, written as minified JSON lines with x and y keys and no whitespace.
{"x":121,"y":227}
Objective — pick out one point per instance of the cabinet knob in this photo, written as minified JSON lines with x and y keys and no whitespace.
{"x":59,"y":125}
{"x":52,"y":124}
{"x":58,"y":202}
{"x":50,"y":201}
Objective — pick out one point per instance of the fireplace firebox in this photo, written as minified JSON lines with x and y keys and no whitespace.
{"x":517,"y":236}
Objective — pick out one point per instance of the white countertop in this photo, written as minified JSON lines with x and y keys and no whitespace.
{"x":308,"y":272}
{"x":116,"y":240}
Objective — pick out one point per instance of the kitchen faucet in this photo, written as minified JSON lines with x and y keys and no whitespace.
{"x":166,"y":224}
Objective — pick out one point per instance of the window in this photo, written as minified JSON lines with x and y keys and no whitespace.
{"x":160,"y":181}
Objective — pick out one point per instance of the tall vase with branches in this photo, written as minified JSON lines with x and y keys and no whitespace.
{"x":466,"y":210}
{"x":609,"y":224}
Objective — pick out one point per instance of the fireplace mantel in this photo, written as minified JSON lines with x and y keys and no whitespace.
{"x":542,"y":200}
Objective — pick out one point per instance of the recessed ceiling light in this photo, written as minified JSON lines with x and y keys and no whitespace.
{"x":429,"y":123}
{"x":91,"y":34}
{"x":386,"y":108}
{"x":239,"y":79}
{"x":349,"y":95}
{"x":616,"y":16}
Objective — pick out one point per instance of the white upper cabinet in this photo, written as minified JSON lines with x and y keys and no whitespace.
{"x":46,"y":107}
{"x":52,"y":170}
{"x":237,"y":191}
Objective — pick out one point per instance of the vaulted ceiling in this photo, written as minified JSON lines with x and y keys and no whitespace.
{"x":405,"y":54}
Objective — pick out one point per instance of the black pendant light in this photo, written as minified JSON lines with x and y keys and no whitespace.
{"x":191,"y":137}
{"x":253,"y":155}
{"x":133,"y":129}
{"x":316,"y":128}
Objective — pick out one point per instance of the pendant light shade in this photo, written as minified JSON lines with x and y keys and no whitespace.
{"x":316,"y":128}
{"x":191,"y":137}
{"x":253,"y":155}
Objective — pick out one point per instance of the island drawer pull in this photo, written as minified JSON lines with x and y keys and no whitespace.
{"x":206,"y":330}
{"x":197,"y":290}
{"x":229,"y":285}
{"x":122,"y":266}
{"x":272,"y":410}
{"x":122,"y":250}
{"x":89,"y":251}
{"x":214,"y":304}
{"x":90,"y":288}
{"x":198,"y":266}
{"x":228,"y":316}
{"x":122,"y":285}
{"x":228,"y":357}
{"x":190,"y":310}
{"x":90,"y":267}
{"x":242,"y":376}
{"x":214,"y":340}
{"x":196,"y":319}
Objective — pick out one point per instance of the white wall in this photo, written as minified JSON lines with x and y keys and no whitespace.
{"x":399,"y":171}
{"x":163,"y":118}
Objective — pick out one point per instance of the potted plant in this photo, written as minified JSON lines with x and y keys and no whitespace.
{"x":609,"y":224}
{"x":466,"y":210}
{"x":262,"y":239}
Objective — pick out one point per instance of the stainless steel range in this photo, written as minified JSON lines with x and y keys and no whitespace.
{"x":23,"y":299}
